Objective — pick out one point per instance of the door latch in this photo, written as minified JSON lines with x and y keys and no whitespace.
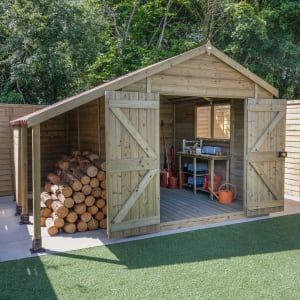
{"x":282,"y":154}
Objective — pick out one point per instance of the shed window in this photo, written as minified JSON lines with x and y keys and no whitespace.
{"x":219,"y":128}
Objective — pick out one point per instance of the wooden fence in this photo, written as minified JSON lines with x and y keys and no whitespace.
{"x":292,"y":146}
{"x":9,"y":112}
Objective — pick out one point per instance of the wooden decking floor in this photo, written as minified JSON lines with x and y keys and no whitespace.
{"x":183,"y":204}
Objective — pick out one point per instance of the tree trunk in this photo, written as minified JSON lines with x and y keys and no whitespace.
{"x":43,"y":221}
{"x":72,"y":217}
{"x":46,"y":199}
{"x":59,"y":209}
{"x":94,"y":182}
{"x":103,"y":194}
{"x":89,"y":170}
{"x":72,"y":181}
{"x":104,"y":210}
{"x":51,"y":228}
{"x":46,"y":212}
{"x":93,"y":210}
{"x":67,"y":202}
{"x":100,"y":203}
{"x":76,"y":153}
{"x":165,"y":22}
{"x":47,"y":187}
{"x":86,"y":217}
{"x":81,"y":176}
{"x":93,"y":156}
{"x":78,"y":197}
{"x":103,"y":223}
{"x":53,"y":178}
{"x":103,"y":184}
{"x":96,"y":192}
{"x":100,"y":164}
{"x":89,"y":201}
{"x":86,"y":189}
{"x":63,"y":165}
{"x":93,"y":224}
{"x":99,"y":216}
{"x":69,"y":227}
{"x":80,"y":208}
{"x":81,"y":226}
{"x":64,"y":189}
{"x":101,"y":175}
{"x":58,"y":222}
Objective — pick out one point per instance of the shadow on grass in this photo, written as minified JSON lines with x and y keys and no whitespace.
{"x":266,"y":236}
{"x":25,"y":279}
{"x":34,"y":278}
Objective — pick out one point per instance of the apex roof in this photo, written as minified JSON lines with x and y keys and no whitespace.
{"x":122,"y":81}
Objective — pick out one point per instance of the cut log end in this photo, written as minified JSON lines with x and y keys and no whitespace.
{"x":93,"y":224}
{"x":103,"y":223}
{"x":69,"y":227}
{"x":86,"y":217}
{"x":82,"y":226}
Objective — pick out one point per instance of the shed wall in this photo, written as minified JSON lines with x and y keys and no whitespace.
{"x":54,"y":143}
{"x":237,"y":146}
{"x":204,"y":75}
{"x":86,"y":128}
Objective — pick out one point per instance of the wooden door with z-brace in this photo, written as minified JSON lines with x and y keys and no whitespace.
{"x":265,"y":156}
{"x":132,"y":155}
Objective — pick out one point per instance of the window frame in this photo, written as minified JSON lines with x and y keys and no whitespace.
{"x":212,"y":121}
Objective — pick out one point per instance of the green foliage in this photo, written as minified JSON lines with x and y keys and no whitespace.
{"x":52,"y":49}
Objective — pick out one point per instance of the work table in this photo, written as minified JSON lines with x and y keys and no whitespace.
{"x":211,"y":159}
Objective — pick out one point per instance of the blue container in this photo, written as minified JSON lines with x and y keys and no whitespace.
{"x":200,"y":167}
{"x":211,"y":150}
{"x":199,"y":181}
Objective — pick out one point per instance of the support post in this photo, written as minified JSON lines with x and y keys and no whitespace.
{"x":36,"y":188}
{"x":16,"y":140}
{"x":24,"y":176}
{"x":212,"y":177}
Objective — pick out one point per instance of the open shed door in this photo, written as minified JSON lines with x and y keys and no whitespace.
{"x":265,"y":142}
{"x":132,"y":155}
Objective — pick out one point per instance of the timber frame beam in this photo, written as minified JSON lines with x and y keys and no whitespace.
{"x":23,"y":175}
{"x":17,"y":165}
{"x":36,"y":188}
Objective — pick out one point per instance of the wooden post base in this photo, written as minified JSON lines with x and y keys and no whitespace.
{"x":25,"y":219}
{"x":18,"y":210}
{"x":37,"y":246}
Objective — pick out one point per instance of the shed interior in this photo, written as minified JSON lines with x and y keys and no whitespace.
{"x":180,"y":121}
{"x":84,"y":128}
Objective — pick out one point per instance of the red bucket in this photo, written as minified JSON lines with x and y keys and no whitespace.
{"x":217,"y":182}
{"x":173,"y":182}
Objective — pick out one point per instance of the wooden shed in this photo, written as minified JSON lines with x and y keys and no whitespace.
{"x":121,"y":121}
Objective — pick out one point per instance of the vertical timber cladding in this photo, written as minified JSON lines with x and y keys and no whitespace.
{"x":265,"y":167}
{"x":132,"y":155}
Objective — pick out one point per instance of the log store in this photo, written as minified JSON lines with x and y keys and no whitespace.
{"x":136,"y":124}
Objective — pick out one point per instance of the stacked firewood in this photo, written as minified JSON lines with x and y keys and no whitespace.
{"x":74,"y":198}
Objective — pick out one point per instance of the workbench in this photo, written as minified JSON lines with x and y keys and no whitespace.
{"x":211,"y":165}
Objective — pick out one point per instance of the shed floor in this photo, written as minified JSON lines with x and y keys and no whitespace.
{"x":184,"y":204}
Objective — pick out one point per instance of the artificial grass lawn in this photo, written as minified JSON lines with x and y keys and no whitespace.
{"x":245,"y":261}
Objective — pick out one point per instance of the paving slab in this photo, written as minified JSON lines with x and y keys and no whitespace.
{"x":16,"y":239}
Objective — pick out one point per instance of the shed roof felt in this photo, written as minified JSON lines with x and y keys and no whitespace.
{"x":122,"y":81}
